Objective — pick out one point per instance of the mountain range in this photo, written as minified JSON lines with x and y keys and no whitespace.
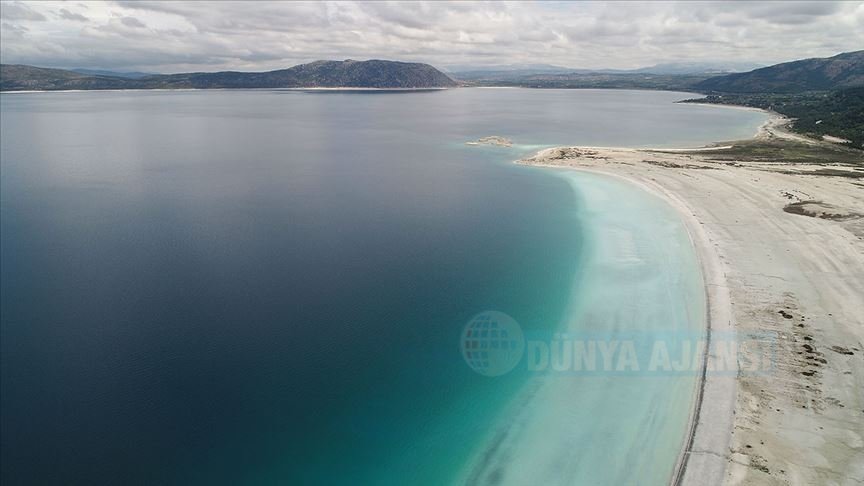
{"x":825,"y":74}
{"x":318,"y":74}
{"x":468,"y":72}
{"x":117,"y":74}
{"x":713,"y":68}
{"x":822,"y":74}
{"x":819,"y":74}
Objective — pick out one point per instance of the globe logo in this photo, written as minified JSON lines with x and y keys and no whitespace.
{"x":492,"y":343}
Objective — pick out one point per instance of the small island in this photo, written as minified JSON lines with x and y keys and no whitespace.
{"x":492,"y":140}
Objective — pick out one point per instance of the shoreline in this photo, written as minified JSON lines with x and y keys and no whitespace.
{"x":711,"y":452}
{"x":718,"y":318}
{"x":619,"y":242}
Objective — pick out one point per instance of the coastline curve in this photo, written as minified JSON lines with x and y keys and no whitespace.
{"x":703,"y":455}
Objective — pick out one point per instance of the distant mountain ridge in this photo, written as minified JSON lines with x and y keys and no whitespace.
{"x":318,"y":74}
{"x":818,"y":74}
{"x":116,"y":74}
{"x":698,"y":68}
{"x":528,"y":72}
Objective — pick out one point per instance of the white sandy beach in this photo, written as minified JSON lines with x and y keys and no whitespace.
{"x":797,"y":275}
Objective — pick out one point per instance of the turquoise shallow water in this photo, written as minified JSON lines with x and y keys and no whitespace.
{"x":266,"y":287}
{"x":620,"y":421}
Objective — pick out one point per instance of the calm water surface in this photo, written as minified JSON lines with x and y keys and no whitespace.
{"x":269,"y":286}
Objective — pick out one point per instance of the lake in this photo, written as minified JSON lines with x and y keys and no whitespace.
{"x":262,"y":287}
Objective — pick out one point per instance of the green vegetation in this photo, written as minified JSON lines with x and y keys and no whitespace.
{"x":823,"y":96}
{"x":828,"y":156}
{"x":835,"y":113}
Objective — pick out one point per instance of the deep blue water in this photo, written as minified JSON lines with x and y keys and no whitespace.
{"x":268,"y":287}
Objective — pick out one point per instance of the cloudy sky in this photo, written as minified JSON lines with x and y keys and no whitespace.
{"x":175,"y":36}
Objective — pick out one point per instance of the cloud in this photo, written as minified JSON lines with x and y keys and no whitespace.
{"x":65,"y":14}
{"x":133,"y":22}
{"x":189,"y":35}
{"x":15,"y":29}
{"x":19,"y":11}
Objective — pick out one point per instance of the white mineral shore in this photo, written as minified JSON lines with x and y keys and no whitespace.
{"x":833,"y":139}
{"x":782,"y":251}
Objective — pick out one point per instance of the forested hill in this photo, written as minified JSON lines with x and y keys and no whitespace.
{"x":318,"y":74}
{"x":820,"y":74}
